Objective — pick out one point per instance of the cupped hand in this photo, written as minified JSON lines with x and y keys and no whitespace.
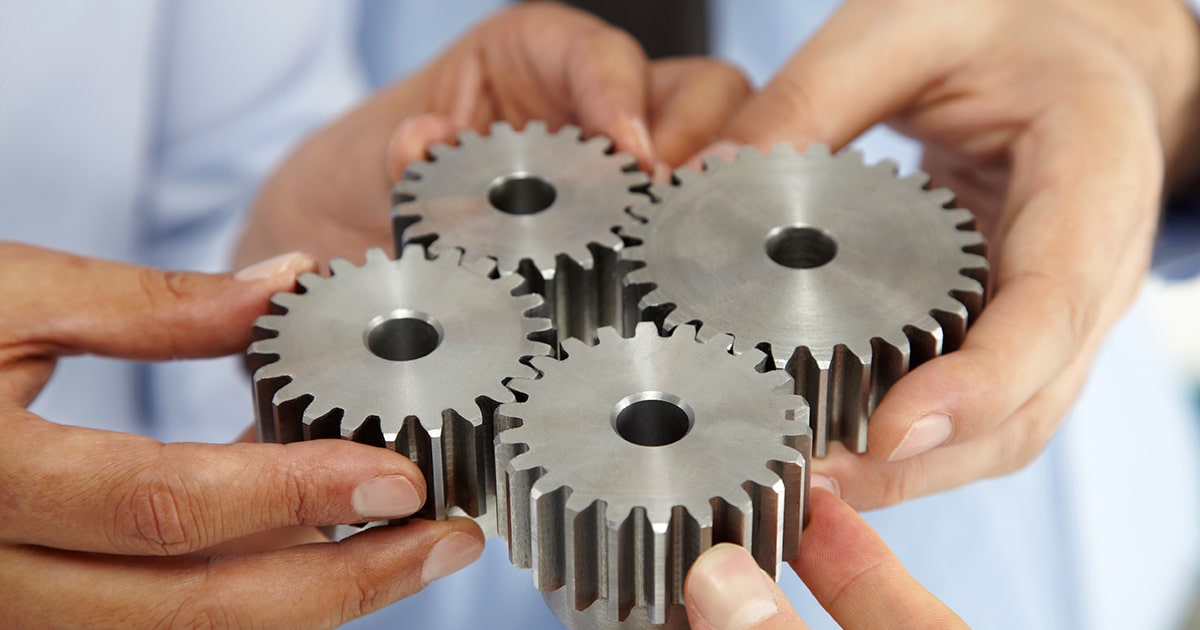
{"x":1051,"y":120}
{"x":108,"y":529}
{"x":849,"y":570}
{"x":534,"y":61}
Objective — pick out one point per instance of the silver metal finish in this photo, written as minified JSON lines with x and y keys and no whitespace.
{"x":845,"y":274}
{"x":542,"y":204}
{"x":410,"y":354}
{"x":632,"y":457}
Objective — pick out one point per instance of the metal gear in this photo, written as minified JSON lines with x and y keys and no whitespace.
{"x":411,"y":354}
{"x":844,"y":274}
{"x":631,"y":458}
{"x":542,"y":204}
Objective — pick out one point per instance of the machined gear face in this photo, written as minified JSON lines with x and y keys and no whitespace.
{"x":411,"y":354}
{"x":542,"y":204}
{"x":844,"y":274}
{"x":632,"y":457}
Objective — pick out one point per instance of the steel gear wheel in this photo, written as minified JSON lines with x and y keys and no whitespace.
{"x":542,"y":204}
{"x":411,"y":354}
{"x":844,"y":274}
{"x":631,"y":458}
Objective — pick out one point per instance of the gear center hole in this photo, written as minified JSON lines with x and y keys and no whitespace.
{"x":652,"y":419}
{"x":403,"y":335}
{"x":800,"y":246}
{"x":521,"y":193}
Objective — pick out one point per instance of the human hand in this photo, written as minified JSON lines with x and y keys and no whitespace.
{"x":108,"y":529}
{"x":1050,"y":119}
{"x":533,"y":61}
{"x":843,"y":562}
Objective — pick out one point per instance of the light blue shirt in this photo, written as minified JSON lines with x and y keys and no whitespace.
{"x":139,"y":129}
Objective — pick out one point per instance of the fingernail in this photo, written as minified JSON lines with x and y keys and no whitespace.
{"x":730,"y":591}
{"x":826,"y":483}
{"x":723,"y":149}
{"x":449,"y":555}
{"x":385,"y":497}
{"x":643,"y":146}
{"x":264,"y":269}
{"x":925,"y":434}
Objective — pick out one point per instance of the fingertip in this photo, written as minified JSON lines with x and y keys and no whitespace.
{"x":412,"y":139}
{"x":282,"y":269}
{"x":727,"y":590}
{"x":825,"y":483}
{"x":452,"y":553}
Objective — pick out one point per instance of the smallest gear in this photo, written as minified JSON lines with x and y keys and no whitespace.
{"x":542,"y":204}
{"x":410,"y":354}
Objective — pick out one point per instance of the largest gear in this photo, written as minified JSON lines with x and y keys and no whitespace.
{"x":633,"y":457}
{"x":410,"y":354}
{"x":846,"y":275}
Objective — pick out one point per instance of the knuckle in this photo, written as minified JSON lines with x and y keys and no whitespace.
{"x":157,"y":515}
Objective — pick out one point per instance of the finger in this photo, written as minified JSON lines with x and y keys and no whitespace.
{"x":868,"y":483}
{"x":726,"y":590}
{"x":317,"y":585}
{"x":692,"y":98}
{"x":84,"y":489}
{"x":1072,"y":253}
{"x":413,"y":137}
{"x":58,"y":303}
{"x":838,"y":84}
{"x":608,"y":76}
{"x":856,"y":577}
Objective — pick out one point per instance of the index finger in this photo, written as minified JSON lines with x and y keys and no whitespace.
{"x":857,"y":578}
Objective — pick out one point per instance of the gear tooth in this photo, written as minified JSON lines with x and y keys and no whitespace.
{"x":276,"y":323}
{"x":710,"y":334}
{"x":853,"y":155}
{"x":917,"y":179}
{"x":819,"y":150}
{"x":661,"y":192}
{"x":572,"y":346}
{"x":941,"y":196}
{"x":682,"y":175}
{"x":581,"y":255}
{"x":289,"y":392}
{"x":411,"y":251}
{"x":645,"y":330}
{"x":466,"y":138}
{"x":713,"y":162}
{"x":309,"y":281}
{"x":606,"y":335}
{"x":571,"y":133}
{"x":413,"y":171}
{"x":783,"y":149}
{"x":441,"y":150}
{"x":748,"y":152}
{"x":634,"y":179}
{"x":536,"y":127}
{"x":541,"y":364}
{"x":673,"y":319}
{"x":338,"y":266}
{"x":502,"y":128}
{"x":638,"y":276}
{"x":598,"y":144}
{"x":889,"y":167}
{"x":376,"y":256}
{"x":962,"y":219}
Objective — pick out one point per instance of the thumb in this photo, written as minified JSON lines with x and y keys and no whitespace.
{"x":62,"y":304}
{"x":726,"y":590}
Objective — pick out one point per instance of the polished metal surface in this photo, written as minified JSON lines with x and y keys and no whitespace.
{"x":632,"y":457}
{"x":541,"y":204}
{"x":846,"y":275}
{"x":410,"y":354}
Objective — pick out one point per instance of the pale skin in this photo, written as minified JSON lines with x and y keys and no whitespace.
{"x":1008,"y":97}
